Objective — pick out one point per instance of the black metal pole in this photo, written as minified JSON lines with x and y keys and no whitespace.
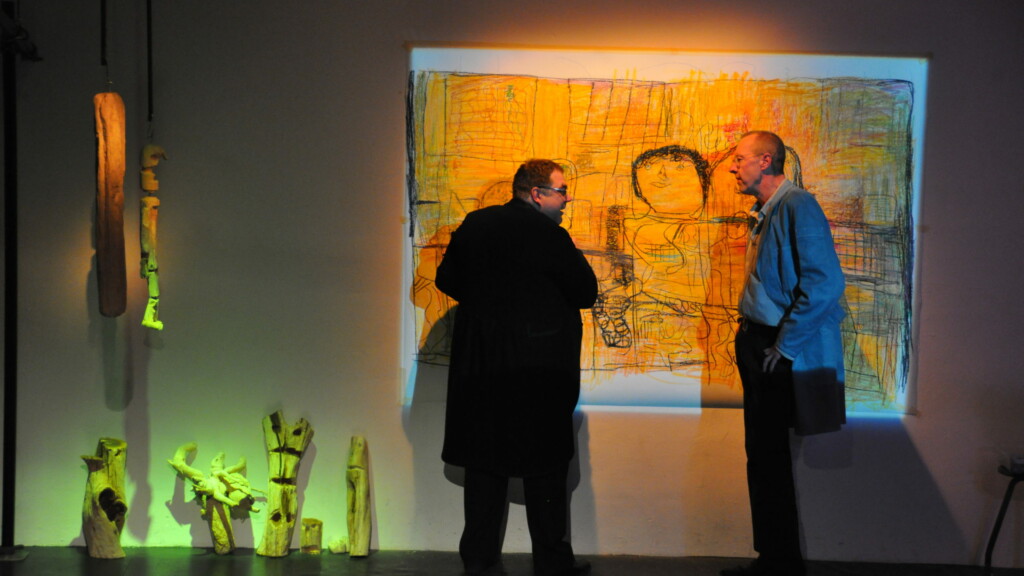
{"x":10,"y":288}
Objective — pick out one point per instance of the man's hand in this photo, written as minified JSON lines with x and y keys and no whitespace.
{"x":771,"y":358}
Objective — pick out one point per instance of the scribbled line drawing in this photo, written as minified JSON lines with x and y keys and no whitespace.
{"x":657,"y":214}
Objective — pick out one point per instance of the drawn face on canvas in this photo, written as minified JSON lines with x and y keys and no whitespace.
{"x":671,"y":187}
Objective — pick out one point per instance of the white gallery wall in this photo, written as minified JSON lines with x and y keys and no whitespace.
{"x":282,"y":229}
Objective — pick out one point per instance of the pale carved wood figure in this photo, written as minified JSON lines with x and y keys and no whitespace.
{"x":218,"y":493}
{"x":312,"y":537}
{"x":338,"y":546}
{"x":286,"y":444}
{"x":150,"y":207}
{"x":104,"y":511}
{"x":110,"y":168}
{"x":358,"y":497}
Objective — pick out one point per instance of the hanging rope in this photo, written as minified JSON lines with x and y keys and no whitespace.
{"x":103,"y":32}
{"x":103,"y":41}
{"x":149,"y":65}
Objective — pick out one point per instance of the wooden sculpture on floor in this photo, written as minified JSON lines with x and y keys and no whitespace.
{"x":218,"y":494}
{"x":286,"y":444}
{"x":150,"y":206}
{"x":110,"y":167}
{"x":104,"y":511}
{"x":338,"y":546}
{"x":312,"y":537}
{"x":358,"y":480}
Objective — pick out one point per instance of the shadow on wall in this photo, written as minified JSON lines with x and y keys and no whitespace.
{"x":998,"y":412}
{"x":583,"y":521}
{"x":865,"y":494}
{"x":866,"y":489}
{"x":423,"y":420}
{"x":126,"y":391}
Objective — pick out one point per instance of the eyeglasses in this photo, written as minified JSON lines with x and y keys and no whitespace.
{"x":562,"y":191}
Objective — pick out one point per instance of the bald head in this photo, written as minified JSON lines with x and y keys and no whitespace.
{"x":765,"y":142}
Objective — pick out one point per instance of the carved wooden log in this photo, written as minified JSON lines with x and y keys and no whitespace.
{"x":311,"y":539}
{"x":358,"y":497}
{"x":282,"y":508}
{"x":149,"y":212}
{"x":151,"y":156}
{"x":149,"y":268}
{"x":286,"y":445}
{"x":220,"y":527}
{"x":104,"y":511}
{"x":150,"y":206}
{"x":110,"y":167}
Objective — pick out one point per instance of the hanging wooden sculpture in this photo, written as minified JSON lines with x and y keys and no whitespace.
{"x":110,"y":167}
{"x":104,"y":511}
{"x":150,"y":207}
{"x":286,"y":444}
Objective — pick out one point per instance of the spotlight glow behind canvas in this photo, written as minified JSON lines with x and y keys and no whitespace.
{"x":666,"y":233}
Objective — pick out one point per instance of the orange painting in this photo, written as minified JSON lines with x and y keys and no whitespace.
{"x":657,"y":214}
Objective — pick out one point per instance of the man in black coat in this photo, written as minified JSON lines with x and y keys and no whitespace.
{"x":514,"y":378}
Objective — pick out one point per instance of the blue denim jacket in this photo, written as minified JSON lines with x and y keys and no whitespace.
{"x":800,"y":274}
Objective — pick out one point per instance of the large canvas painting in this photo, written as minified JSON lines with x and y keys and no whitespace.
{"x":645,"y":140}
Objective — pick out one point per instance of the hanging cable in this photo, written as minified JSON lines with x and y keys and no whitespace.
{"x":103,"y":41}
{"x":149,"y":66}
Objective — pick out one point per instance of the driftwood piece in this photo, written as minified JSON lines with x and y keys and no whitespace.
{"x":222,"y":491}
{"x":110,"y":167}
{"x":149,"y":270}
{"x":338,"y":546}
{"x":312,"y":537}
{"x":151,"y":156}
{"x":286,"y":444}
{"x":358,"y":498}
{"x":149,"y":212}
{"x":104,"y":510}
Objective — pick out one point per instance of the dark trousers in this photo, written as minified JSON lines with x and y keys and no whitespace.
{"x":767,"y":417}
{"x":547,"y":517}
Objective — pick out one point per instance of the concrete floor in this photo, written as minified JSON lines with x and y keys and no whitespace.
{"x":52,"y":561}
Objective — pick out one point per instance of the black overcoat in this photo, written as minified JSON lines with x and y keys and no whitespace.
{"x":514,"y":378}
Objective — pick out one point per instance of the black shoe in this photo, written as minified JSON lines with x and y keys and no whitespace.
{"x":578,"y":568}
{"x":760,"y":567}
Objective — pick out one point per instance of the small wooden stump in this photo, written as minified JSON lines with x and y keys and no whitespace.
{"x":311,"y":540}
{"x":338,"y":546}
{"x":104,"y":511}
{"x":286,"y":444}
